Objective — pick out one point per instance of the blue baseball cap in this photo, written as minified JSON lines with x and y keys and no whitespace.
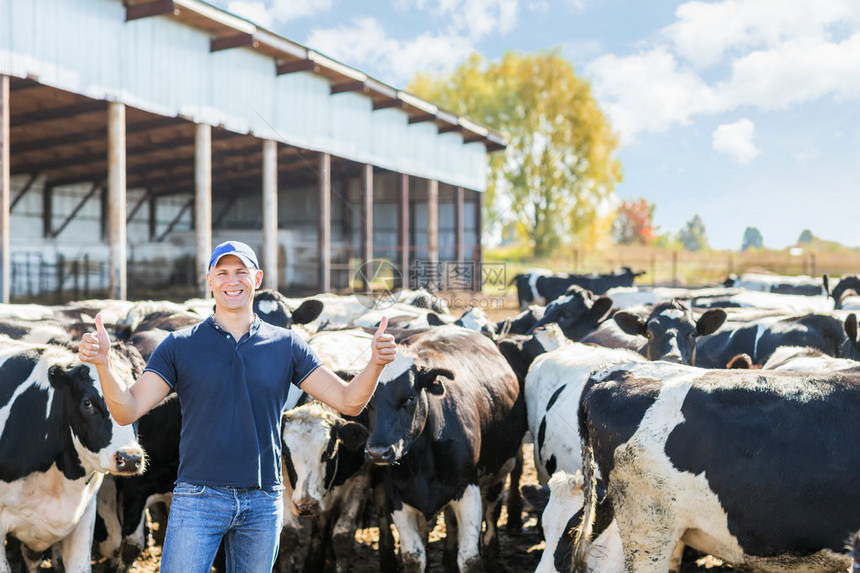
{"x":244,"y":252}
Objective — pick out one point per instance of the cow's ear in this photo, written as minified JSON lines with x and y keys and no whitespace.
{"x":58,"y":376}
{"x":537,"y":496}
{"x":601,"y":308}
{"x":307,"y":312}
{"x":428,"y":378}
{"x":710,"y":321}
{"x":825,"y":281}
{"x":630,"y":323}
{"x":352,"y":435}
{"x":434,"y":320}
{"x":851,"y":327}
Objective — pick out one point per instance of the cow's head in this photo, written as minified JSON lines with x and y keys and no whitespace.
{"x":399,"y":407}
{"x":314,"y":440}
{"x":577,"y":313}
{"x":671,"y":330}
{"x":101,"y":444}
{"x":476,"y":319}
{"x":848,"y":285}
{"x":271,"y":306}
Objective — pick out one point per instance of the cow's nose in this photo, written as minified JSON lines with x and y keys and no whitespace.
{"x":380,"y":455}
{"x":306,"y":507}
{"x":128,"y":463}
{"x":674,"y":358}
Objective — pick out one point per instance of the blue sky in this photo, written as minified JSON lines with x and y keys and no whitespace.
{"x":745,"y":112}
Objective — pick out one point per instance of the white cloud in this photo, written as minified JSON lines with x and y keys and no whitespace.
{"x":649,"y":92}
{"x":777,"y":54}
{"x":735,"y":140}
{"x":795,"y":72}
{"x":705,"y":32}
{"x":480,"y":18}
{"x":266,"y":13}
{"x":365,"y":45}
{"x":256,"y":12}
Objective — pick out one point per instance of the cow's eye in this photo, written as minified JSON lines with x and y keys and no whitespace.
{"x":88,"y":405}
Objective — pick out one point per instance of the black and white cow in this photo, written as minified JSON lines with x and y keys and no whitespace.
{"x":542,"y":287}
{"x":447,"y":421}
{"x":670,"y":330}
{"x":272,"y":307}
{"x":561,"y":512}
{"x":57,"y":440}
{"x":761,"y":338}
{"x":578,"y":313}
{"x":327,"y":480}
{"x":122,"y":505}
{"x":800,"y":285}
{"x":846,"y":293}
{"x":748,"y":466}
{"x":552,"y":389}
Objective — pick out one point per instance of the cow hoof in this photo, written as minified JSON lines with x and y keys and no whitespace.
{"x":473,"y":565}
{"x":413,"y":563}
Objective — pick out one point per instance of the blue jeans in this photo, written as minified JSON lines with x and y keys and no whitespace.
{"x":249,"y":520}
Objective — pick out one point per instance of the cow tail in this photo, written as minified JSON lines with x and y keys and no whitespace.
{"x":583,"y":534}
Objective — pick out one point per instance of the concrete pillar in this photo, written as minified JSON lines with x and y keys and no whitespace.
{"x":403,"y":228}
{"x":324,"y":226}
{"x":270,"y":215}
{"x":202,"y":203}
{"x":116,"y":201}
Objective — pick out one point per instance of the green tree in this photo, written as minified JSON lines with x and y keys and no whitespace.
{"x":752,"y":239}
{"x":634,"y":223}
{"x":559,"y":165}
{"x":805,"y":237}
{"x":694,"y":236}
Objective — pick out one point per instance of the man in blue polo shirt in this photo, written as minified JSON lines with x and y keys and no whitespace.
{"x":232,"y":374}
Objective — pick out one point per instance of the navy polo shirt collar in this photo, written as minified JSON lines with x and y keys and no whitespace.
{"x":255,"y":326}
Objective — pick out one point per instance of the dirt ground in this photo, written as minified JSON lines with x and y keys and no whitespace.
{"x":520,"y":553}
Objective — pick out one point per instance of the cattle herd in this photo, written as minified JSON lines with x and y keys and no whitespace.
{"x":666,"y":423}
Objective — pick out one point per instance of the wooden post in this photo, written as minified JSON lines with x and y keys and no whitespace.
{"x":433,"y":222}
{"x":674,"y":268}
{"x":367,"y":221}
{"x":116,"y":201}
{"x":271,"y":272}
{"x":324,"y":226}
{"x":403,"y":228}
{"x":459,"y":226}
{"x":5,"y":183}
{"x":479,"y":248}
{"x":202,"y":204}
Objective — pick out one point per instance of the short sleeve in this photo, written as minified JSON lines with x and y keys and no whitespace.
{"x":163,"y":361}
{"x":305,"y":361}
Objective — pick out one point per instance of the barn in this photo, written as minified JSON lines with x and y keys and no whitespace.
{"x":136,"y":134}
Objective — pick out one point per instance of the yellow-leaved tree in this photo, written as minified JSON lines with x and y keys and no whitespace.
{"x":559,"y":166}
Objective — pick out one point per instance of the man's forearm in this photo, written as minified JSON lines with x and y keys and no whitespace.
{"x":120,"y":401}
{"x":359,"y":391}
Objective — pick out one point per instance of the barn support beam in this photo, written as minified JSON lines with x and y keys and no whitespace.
{"x":202,"y":203}
{"x":478,"y":253}
{"x":433,"y":226}
{"x":324,"y":225}
{"x":459,"y":226}
{"x":71,"y":216}
{"x":116,"y":201}
{"x":270,"y":214}
{"x":403,"y":228}
{"x":23,"y":191}
{"x":5,"y":183}
{"x":366,"y":219}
